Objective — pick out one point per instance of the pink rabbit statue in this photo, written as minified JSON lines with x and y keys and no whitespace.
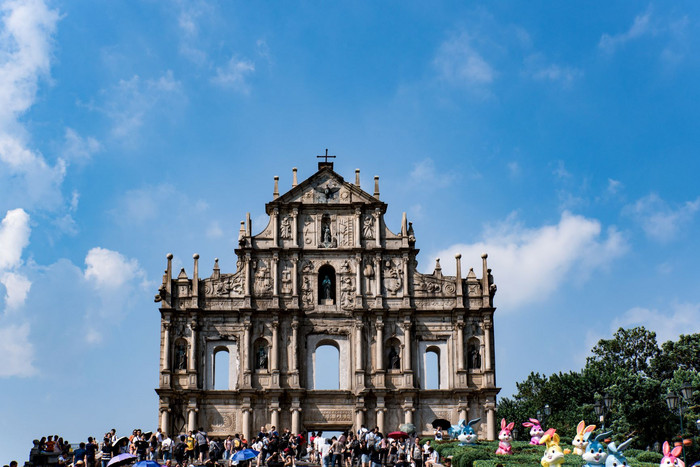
{"x":671,"y":456}
{"x":505,"y":437}
{"x":536,"y":431}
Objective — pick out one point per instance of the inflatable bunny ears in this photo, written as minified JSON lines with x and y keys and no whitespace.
{"x":550,"y":438}
{"x":624,"y":445}
{"x":582,"y":428}
{"x":675,"y":452}
{"x":598,"y":438}
{"x":471,"y":422}
{"x":508,"y":427}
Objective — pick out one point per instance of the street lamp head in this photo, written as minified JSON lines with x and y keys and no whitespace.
{"x":607,"y":400}
{"x":697,"y":423}
{"x":687,"y":391}
{"x":539,"y":415}
{"x":547,"y":410}
{"x":672,"y":401}
{"x":598,"y":408}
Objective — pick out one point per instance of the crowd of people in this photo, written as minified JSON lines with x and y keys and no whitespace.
{"x":366,"y":448}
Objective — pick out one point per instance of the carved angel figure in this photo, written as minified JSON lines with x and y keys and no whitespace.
{"x":328,"y":192}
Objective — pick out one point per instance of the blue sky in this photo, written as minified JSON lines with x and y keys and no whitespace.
{"x":561,"y":138}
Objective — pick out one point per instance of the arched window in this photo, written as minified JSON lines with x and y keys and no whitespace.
{"x":261,"y":354}
{"x":432,"y":368}
{"x":327,"y":366}
{"x":326,"y":285}
{"x":180,"y":355}
{"x":221,"y":369}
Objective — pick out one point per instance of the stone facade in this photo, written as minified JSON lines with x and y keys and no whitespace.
{"x":326,"y":271}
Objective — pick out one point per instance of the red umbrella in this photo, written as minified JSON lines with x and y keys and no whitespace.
{"x":398,"y":435}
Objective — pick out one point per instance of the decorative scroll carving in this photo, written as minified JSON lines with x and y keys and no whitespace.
{"x":228,"y":285}
{"x":286,"y":280}
{"x":220,"y":421}
{"x":328,"y":415}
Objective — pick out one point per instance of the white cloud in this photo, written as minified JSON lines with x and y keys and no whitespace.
{"x":110,"y":269}
{"x":539,"y":69}
{"x":16,"y":289}
{"x":26,"y":178}
{"x":681,"y":318}
{"x":560,"y":171}
{"x":531,"y":264}
{"x":459,"y":63}
{"x":614,"y":186}
{"x":425,"y":175}
{"x":17,"y":351}
{"x":234,"y":75}
{"x":132,"y":102}
{"x":14,"y":237}
{"x":77,"y":148}
{"x":660,"y":221}
{"x":641,"y":26}
{"x":214,"y":230}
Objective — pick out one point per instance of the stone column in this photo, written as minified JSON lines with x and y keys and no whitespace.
{"x":295,"y":228}
{"x":358,"y":226}
{"x":462,"y":413}
{"x":296,"y":420}
{"x":359,"y":418}
{"x":166,"y":346}
{"x":193,"y":347}
{"x":246,"y":423}
{"x":275,"y":417}
{"x":487,"y":340}
{"x":295,"y":337}
{"x":358,"y":346}
{"x":295,"y":273}
{"x":275,"y":227}
{"x":246,"y":281}
{"x":405,"y":276}
{"x":380,"y":418}
{"x":490,"y":421}
{"x":165,"y":419}
{"x":275,"y":278}
{"x":245,"y":351}
{"x":377,"y":228}
{"x":408,"y":415}
{"x":192,"y":418}
{"x":407,"y":341}
{"x":358,"y":280}
{"x":275,"y":348}
{"x":378,"y":275}
{"x":460,"y":345}
{"x":379,"y":364}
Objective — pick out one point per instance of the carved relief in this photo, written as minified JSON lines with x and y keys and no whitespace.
{"x":286,"y":228}
{"x":368,"y":227}
{"x":307,"y":294}
{"x":347,"y":293}
{"x":328,"y":415}
{"x":309,"y":229}
{"x":228,"y":285}
{"x":346,"y":268}
{"x":308,"y":267}
{"x":286,"y":280}
{"x":393,"y":277}
{"x":346,"y":231}
{"x":221,"y":421}
{"x":328,"y":192}
{"x":263,"y":278}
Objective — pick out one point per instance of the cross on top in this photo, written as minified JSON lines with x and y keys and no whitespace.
{"x":326,"y":156}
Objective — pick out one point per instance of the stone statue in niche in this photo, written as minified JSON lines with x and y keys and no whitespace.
{"x":347,"y":298}
{"x":261,"y":358}
{"x":307,"y":294}
{"x":286,"y":228}
{"x":394,"y":359}
{"x":180,"y":356}
{"x":326,"y":284}
{"x":327,"y":239}
{"x":263,"y":279}
{"x":368,"y":227}
{"x":369,"y":275}
{"x":474,"y":359}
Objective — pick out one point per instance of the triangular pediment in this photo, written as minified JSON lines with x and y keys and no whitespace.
{"x":323,"y":188}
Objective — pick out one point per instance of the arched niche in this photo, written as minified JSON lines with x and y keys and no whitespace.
{"x":474,"y":356}
{"x":326,"y":285}
{"x":392,"y":354}
{"x":261,"y":354}
{"x":340,"y":342}
{"x":180,"y":354}
{"x":213,"y":348}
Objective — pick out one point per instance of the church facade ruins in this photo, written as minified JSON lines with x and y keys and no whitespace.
{"x":326,"y":271}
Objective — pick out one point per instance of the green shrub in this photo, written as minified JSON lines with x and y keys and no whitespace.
{"x":648,"y":456}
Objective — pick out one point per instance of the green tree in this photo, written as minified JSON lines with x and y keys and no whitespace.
{"x":633,"y":349}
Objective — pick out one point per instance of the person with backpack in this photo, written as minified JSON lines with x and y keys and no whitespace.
{"x":179,"y":450}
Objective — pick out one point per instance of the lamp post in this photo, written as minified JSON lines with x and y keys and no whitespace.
{"x":674,"y":402}
{"x":602,"y":409}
